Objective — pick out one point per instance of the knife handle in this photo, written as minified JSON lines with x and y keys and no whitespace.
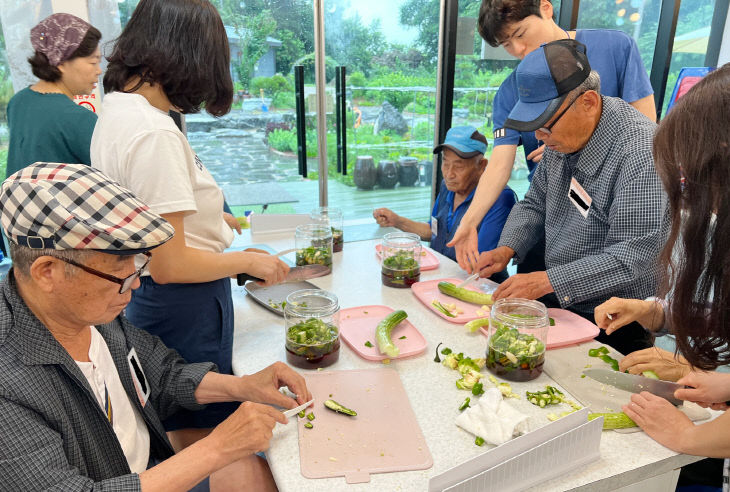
{"x":241,"y":278}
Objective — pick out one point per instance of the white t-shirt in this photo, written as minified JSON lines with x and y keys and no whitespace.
{"x":131,"y":431}
{"x":140,"y":147}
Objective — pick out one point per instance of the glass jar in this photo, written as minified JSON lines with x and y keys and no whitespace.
{"x":517,"y":338}
{"x":314,"y":245}
{"x":333,"y":218}
{"x":312,"y":328}
{"x":401,"y":259}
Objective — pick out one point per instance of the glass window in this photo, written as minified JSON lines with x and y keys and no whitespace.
{"x":637,"y":18}
{"x":690,"y":40}
{"x":390,"y":50}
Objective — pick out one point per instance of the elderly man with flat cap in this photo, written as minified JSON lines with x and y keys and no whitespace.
{"x":82,"y":392}
{"x":595,"y":197}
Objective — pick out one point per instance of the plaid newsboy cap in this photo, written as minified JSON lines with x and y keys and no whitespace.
{"x":74,"y":206}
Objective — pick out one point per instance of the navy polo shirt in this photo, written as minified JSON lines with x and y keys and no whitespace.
{"x":448,"y":220}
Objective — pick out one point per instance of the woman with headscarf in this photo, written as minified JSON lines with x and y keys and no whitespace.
{"x":45,"y":124}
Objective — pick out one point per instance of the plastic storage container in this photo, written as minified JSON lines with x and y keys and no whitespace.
{"x":314,"y":245}
{"x":331,"y":217}
{"x":517,"y":338}
{"x":312,"y":328}
{"x":401,"y":259}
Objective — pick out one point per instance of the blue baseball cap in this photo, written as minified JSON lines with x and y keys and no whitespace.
{"x":545,"y":77}
{"x":465,"y":141}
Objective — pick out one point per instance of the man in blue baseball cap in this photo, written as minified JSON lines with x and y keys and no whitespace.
{"x":595,"y":198}
{"x":462,"y":165}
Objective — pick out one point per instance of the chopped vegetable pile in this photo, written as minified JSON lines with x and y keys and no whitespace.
{"x":509,"y":350}
{"x":401,"y":260}
{"x":312,"y":338}
{"x":314,"y":255}
{"x":602,"y":353}
{"x":447,"y":309}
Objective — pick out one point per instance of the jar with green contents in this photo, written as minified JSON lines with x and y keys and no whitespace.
{"x":331,"y":217}
{"x":401,"y":259}
{"x":517,"y":339}
{"x":314,"y":245}
{"x":312,"y":321}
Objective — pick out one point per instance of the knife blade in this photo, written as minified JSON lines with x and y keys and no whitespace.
{"x":295,"y":274}
{"x":296,"y":410}
{"x":468,"y":280}
{"x":636,"y":384}
{"x":286,"y":251}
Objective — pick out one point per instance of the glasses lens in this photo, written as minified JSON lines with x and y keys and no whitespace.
{"x":128,"y":282}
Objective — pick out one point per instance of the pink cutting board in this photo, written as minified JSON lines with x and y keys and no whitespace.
{"x":428,"y":259}
{"x":569,"y":329}
{"x":357,"y":326}
{"x":428,"y":290}
{"x":383,"y":437}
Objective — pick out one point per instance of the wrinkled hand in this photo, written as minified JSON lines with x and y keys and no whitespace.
{"x":662,"y":362}
{"x":267,"y":267}
{"x":232,"y":222}
{"x":659,"y":419}
{"x":263,"y":386}
{"x":708,"y":389}
{"x":536,"y":155}
{"x":524,"y":285}
{"x":621,"y":312}
{"x":246,"y":431}
{"x":385,"y":217}
{"x":466,"y":244}
{"x":494,"y":261}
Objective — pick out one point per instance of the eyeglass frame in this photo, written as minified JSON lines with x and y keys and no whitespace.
{"x":547,"y":129}
{"x":124,"y":283}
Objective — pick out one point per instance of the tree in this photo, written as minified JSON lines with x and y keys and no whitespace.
{"x":354,"y":45}
{"x":424,"y":16}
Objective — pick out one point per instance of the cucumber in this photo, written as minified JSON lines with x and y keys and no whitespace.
{"x":465,"y":295}
{"x":475,"y":324}
{"x":614,"y":420}
{"x":333,"y":405}
{"x":383,"y":331}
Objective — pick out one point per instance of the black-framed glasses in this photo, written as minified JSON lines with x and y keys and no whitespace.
{"x":547,"y":129}
{"x":125,"y":283}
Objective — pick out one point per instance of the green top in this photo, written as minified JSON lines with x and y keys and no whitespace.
{"x":47,"y":128}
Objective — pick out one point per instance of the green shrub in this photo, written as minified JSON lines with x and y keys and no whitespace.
{"x":271,"y":85}
{"x":283,"y":100}
{"x":283,"y":140}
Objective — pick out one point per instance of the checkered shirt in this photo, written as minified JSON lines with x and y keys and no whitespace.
{"x":53,"y":432}
{"x":614,"y":251}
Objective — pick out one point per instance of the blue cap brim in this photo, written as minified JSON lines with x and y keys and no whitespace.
{"x":528,"y":117}
{"x":464,"y":154}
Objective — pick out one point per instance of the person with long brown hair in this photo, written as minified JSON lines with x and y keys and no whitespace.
{"x":174,"y":54}
{"x":692,"y":157}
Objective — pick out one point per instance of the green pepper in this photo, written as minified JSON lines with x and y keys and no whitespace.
{"x":479,"y":441}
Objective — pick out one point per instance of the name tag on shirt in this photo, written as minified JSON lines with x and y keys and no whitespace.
{"x":434,"y":226}
{"x":579,"y":198}
{"x":141,"y":385}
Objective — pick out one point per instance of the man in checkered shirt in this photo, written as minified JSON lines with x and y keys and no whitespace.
{"x":83,"y":392}
{"x":595,"y":196}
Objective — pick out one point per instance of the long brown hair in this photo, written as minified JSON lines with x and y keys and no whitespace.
{"x":181,"y":45}
{"x":692,"y":158}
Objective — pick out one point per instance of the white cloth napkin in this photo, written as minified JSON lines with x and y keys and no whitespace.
{"x":493,"y":419}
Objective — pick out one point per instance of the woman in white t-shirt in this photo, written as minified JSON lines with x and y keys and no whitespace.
{"x":187,"y":298}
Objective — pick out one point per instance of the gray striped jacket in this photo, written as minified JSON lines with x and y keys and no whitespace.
{"x":53,"y":433}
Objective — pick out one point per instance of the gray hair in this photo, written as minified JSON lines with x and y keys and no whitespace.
{"x":23,"y":257}
{"x":591,"y":83}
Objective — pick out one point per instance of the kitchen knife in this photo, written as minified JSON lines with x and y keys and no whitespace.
{"x":291,"y":412}
{"x":636,"y":384}
{"x":468,"y":280}
{"x":295,"y":274}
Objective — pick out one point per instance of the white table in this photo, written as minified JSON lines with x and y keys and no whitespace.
{"x":259,"y":341}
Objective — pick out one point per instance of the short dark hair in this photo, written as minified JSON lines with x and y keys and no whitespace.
{"x":181,"y":45}
{"x":496,"y":15}
{"x":45,"y":71}
{"x":691,"y":155}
